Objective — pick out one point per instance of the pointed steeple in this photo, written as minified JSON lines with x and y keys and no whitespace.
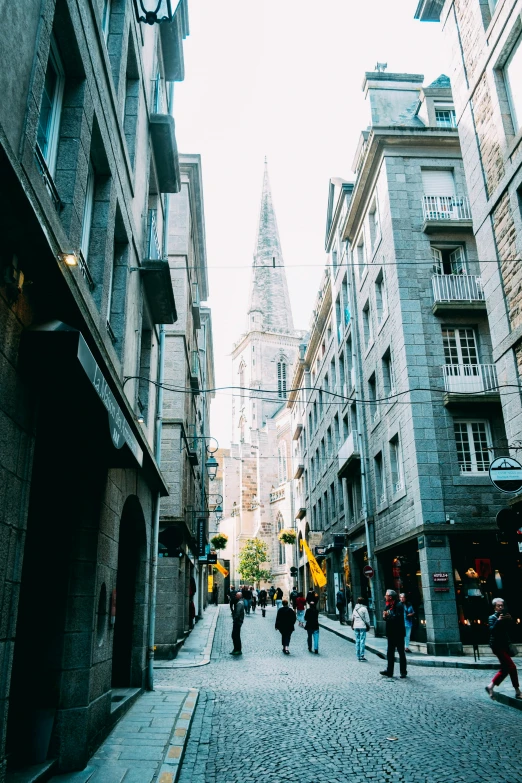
{"x":269,"y":308}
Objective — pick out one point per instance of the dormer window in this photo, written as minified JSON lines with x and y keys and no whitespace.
{"x":445,"y":117}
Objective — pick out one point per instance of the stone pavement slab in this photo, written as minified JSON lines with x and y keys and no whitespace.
{"x":377,"y":646}
{"x":198,"y":647}
{"x":146,"y":743}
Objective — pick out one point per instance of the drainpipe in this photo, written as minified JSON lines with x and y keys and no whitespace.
{"x":157,"y":455}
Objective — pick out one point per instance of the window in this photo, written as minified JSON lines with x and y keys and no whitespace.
{"x":372,"y":393}
{"x":439,"y":194}
{"x":282,"y":463}
{"x":459,"y":346}
{"x":337,"y":434}
{"x":373,"y":223}
{"x":306,"y":481}
{"x":87,"y":212}
{"x":360,"y":258}
{"x":334,"y":257}
{"x":145,"y":371}
{"x":281,"y":379}
{"x":448,"y":261}
{"x":473,"y":446}
{"x":513,"y":80}
{"x":338,"y":320}
{"x":51,"y":109}
{"x":340,"y":494}
{"x":388,"y":375}
{"x":333,"y":376}
{"x":327,"y":516}
{"x":342,"y":377}
{"x":106,"y":15}
{"x":380,"y":484}
{"x":333,"y":512}
{"x":381,"y":301}
{"x":323,"y":454}
{"x":320,"y":514}
{"x":312,"y":470}
{"x":445,"y":117}
{"x":346,"y":427}
{"x":396,"y":465}
{"x":282,"y":549}
{"x":367,"y":325}
{"x":131,"y":103}
{"x":350,"y":373}
{"x":329,"y":447}
{"x":346,"y":302}
{"x":157,"y":98}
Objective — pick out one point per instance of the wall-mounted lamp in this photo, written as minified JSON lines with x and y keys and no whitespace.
{"x":211,"y":465}
{"x":156,"y":11}
{"x":71,"y":259}
{"x":140,"y":419}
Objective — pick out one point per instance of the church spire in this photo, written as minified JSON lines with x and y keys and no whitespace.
{"x":269,"y":308}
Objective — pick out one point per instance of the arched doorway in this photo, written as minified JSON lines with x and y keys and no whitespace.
{"x":129,"y":642}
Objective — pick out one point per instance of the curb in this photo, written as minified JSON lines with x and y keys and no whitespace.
{"x":508,"y":701}
{"x":171,"y":765}
{"x":206,"y":652}
{"x":440,"y":664}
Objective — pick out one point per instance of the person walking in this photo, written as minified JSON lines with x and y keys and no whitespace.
{"x":254,"y":598}
{"x":238,"y":616}
{"x":285,"y":623}
{"x":312,"y":597}
{"x":271,"y":594}
{"x":279,"y":598}
{"x":293,"y":598}
{"x":409,"y":614}
{"x":340,"y":602}
{"x":247,"y":598}
{"x":300,"y":605}
{"x":360,"y":625}
{"x":499,"y":641}
{"x":263,"y":595}
{"x":312,"y":627}
{"x":215,"y":594}
{"x":395,"y":633}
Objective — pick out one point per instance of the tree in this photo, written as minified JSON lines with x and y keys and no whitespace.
{"x":252,"y":555}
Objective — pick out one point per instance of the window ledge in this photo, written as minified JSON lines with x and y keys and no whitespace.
{"x":379,"y":328}
{"x":399,"y":495}
{"x":376,"y":248}
{"x":382,"y":506}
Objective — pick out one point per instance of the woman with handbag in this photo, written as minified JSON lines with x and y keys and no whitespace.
{"x":360,"y":625}
{"x":500,"y":643}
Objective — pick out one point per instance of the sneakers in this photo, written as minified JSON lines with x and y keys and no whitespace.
{"x":364,"y":659}
{"x":236,"y":652}
{"x":385,"y":674}
{"x":403,"y":676}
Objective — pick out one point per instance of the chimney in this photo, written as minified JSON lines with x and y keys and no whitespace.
{"x":390,"y":94}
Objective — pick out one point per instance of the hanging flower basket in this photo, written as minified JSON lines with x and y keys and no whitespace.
{"x":220,"y":541}
{"x":287,"y":536}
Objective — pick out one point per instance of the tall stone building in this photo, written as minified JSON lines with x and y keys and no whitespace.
{"x":256,"y":474}
{"x":485,"y":39}
{"x":87,"y":159}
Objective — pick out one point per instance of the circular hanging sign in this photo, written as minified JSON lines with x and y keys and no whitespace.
{"x":368,"y":571}
{"x":506,"y":474}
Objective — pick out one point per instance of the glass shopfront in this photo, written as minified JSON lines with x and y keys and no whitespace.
{"x":486,"y":568}
{"x":401,"y":571}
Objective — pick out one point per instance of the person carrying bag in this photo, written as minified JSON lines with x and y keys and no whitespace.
{"x":360,"y":625}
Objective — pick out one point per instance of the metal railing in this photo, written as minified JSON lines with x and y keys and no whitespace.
{"x":457,"y":288}
{"x":153,"y":247}
{"x":446,"y":208}
{"x":470,"y":378}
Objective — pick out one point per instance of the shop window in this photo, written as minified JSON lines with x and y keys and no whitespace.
{"x":473,"y":446}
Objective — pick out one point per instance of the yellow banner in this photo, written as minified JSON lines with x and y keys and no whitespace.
{"x":221,"y":570}
{"x":210,"y":583}
{"x":315,"y":569}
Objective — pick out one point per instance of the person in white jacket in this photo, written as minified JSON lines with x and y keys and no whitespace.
{"x":360,"y":625}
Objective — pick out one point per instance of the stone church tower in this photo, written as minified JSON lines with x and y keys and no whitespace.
{"x":257,"y":471}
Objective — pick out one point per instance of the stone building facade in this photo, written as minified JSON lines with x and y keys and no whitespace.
{"x":257,"y":500}
{"x":87,"y":160}
{"x":420,"y":414}
{"x":484,"y":37}
{"x":189,"y":371}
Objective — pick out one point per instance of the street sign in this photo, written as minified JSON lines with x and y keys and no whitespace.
{"x":368,"y":571}
{"x":320,"y":550}
{"x":506,"y":474}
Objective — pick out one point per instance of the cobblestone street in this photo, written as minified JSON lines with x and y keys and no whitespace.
{"x":273,"y":718}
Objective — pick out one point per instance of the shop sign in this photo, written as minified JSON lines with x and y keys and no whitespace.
{"x":314,"y":538}
{"x":212,"y":558}
{"x":210,"y":583}
{"x":320,"y":550}
{"x":420,"y":542}
{"x":436,"y":540}
{"x":441,"y":579}
{"x":505,"y":474}
{"x":339,"y":541}
{"x":202,"y":544}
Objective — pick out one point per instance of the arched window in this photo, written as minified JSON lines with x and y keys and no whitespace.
{"x":281,"y":378}
{"x":282,"y":463}
{"x":242,"y":378}
{"x":282,"y":550}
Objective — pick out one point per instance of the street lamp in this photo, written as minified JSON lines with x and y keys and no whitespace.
{"x":156,"y":11}
{"x":211,"y":465}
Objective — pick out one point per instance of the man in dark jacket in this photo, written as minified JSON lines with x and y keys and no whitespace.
{"x":232,"y":598}
{"x":272,"y":593}
{"x":238,"y":616}
{"x":312,"y":597}
{"x":395,"y":633}
{"x":340,"y":602}
{"x":285,"y":622}
{"x":312,"y":627}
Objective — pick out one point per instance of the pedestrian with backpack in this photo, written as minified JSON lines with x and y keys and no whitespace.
{"x":361,"y":626}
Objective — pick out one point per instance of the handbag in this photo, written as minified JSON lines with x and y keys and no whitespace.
{"x":360,"y":618}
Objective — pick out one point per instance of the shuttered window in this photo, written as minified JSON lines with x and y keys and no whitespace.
{"x":281,"y":379}
{"x":438,"y":183}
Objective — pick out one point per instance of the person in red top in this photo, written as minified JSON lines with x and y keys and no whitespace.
{"x":300,"y":605}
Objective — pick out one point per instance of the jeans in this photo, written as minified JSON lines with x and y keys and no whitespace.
{"x":360,"y":642}
{"x":313,"y":635}
{"x":340,"y":609}
{"x":279,"y":603}
{"x":507,"y":666}
{"x":285,"y":638}
{"x":395,"y":643}
{"x":407,"y":637}
{"x":236,"y":636}
{"x":246,"y":601}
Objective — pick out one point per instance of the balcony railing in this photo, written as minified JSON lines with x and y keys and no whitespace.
{"x":470,"y":378}
{"x":446,"y":208}
{"x":457,"y":288}
{"x":277,"y":494}
{"x":154,"y":247}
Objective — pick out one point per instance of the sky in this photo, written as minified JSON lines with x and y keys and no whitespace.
{"x":281,"y":78}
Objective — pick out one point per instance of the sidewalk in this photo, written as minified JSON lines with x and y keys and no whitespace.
{"x":198,"y":646}
{"x":146,"y":745}
{"x":377,"y":646}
